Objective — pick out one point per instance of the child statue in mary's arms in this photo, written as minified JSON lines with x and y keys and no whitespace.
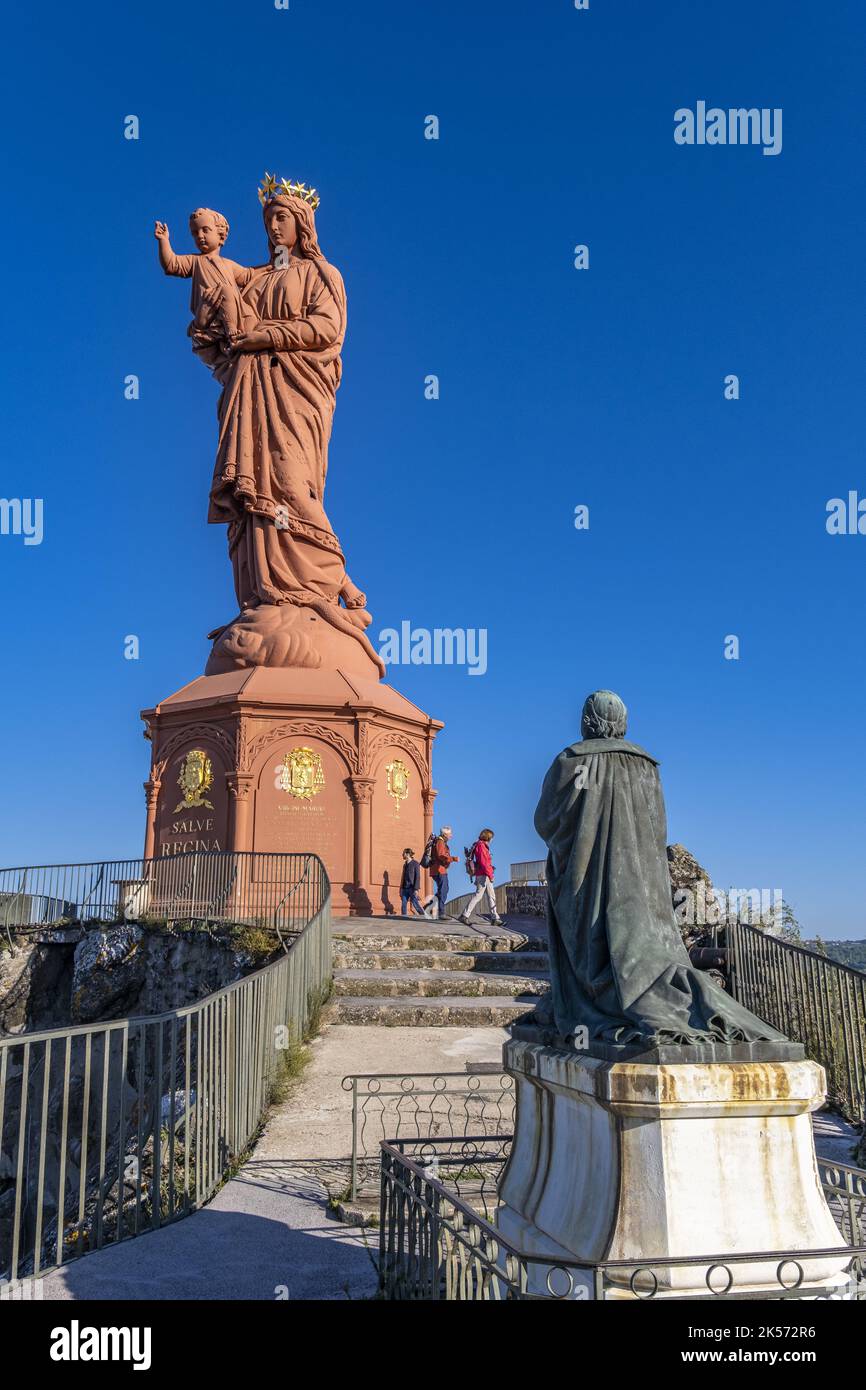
{"x":218,"y":311}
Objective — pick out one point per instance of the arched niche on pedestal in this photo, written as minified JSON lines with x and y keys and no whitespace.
{"x":301,"y":801}
{"x":400,"y":780}
{"x":190,"y":818}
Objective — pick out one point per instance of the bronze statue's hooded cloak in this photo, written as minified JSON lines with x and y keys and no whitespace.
{"x":618,"y":964}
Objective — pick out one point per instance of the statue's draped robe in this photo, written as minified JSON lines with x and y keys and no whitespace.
{"x":618,"y":963}
{"x":275,"y":416}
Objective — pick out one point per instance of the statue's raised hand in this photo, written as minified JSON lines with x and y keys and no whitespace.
{"x":160,"y":231}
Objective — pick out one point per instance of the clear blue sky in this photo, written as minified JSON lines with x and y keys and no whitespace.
{"x":558,"y":387}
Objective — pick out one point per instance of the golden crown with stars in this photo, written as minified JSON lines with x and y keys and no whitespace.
{"x":273,"y":188}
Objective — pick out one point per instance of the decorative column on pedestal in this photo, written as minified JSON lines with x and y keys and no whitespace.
{"x":239,"y":786}
{"x":151,"y":792}
{"x":429,"y":798}
{"x":362,"y":798}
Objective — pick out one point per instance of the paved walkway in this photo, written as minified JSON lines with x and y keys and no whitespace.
{"x":268,"y":1233}
{"x":834,"y":1137}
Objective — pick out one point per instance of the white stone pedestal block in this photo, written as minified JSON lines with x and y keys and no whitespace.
{"x":637,"y":1161}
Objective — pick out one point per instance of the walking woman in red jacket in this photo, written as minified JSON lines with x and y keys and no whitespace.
{"x":483,"y":880}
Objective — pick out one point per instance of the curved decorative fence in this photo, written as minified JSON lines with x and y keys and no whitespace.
{"x":280,"y":891}
{"x":111,"y":1129}
{"x":437,"y":1240}
{"x":423,"y":1105}
{"x":811,"y":999}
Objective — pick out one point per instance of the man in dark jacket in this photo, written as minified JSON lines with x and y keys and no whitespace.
{"x":410,"y":882}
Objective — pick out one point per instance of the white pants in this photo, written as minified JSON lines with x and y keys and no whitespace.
{"x":483,"y":885}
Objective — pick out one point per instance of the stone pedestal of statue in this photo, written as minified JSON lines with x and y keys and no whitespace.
{"x":652,"y":1158}
{"x":294,"y":760}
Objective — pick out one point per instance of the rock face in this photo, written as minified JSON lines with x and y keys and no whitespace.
{"x":117,"y":972}
{"x":109,"y":974}
{"x":35,"y":985}
{"x":129,"y":970}
{"x":691,"y":886}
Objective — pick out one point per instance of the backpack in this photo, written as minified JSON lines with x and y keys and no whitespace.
{"x":428,"y":852}
{"x":470,"y":860}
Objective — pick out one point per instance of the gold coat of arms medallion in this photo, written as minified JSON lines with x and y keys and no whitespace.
{"x":301,"y":774}
{"x":397,"y":774}
{"x":195,"y":780}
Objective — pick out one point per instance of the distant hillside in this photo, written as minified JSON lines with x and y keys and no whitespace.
{"x":845,"y":952}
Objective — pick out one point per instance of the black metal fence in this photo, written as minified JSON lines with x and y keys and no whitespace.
{"x":280,"y":891}
{"x":811,"y":999}
{"x":438,"y":1241}
{"x":422,"y":1105}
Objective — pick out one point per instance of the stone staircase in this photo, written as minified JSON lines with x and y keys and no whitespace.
{"x":402,"y":972}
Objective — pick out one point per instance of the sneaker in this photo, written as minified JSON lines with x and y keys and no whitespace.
{"x":498,"y":922}
{"x":467,"y":921}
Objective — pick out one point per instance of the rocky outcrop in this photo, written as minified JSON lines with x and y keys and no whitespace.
{"x":109,"y":974}
{"x":120,"y":971}
{"x":35,"y":985}
{"x":132,"y":970}
{"x":691,"y":890}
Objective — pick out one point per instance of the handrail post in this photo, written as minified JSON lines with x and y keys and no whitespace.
{"x":354,"y":1138}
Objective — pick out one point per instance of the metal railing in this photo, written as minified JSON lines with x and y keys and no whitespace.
{"x":280,"y":891}
{"x":529,"y":871}
{"x":437,"y":1241}
{"x":424,"y":1105}
{"x":111,"y":1129}
{"x":811,"y":999}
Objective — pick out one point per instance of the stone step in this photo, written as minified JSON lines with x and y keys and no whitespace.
{"x":434,"y":984}
{"x":345,"y":958}
{"x":439,"y":941}
{"x":365,"y":1209}
{"x":490,"y":1011}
